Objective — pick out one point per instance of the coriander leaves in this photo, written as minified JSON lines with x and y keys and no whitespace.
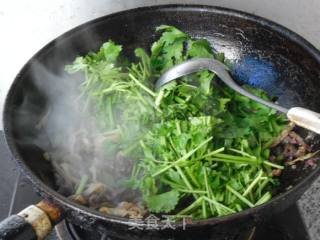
{"x":196,"y":146}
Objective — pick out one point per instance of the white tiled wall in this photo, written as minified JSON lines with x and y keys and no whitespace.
{"x":25,"y":26}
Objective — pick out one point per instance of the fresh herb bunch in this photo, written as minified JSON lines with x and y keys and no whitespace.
{"x":197,"y":147}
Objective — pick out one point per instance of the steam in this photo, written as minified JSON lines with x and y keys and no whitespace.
{"x":68,"y":136}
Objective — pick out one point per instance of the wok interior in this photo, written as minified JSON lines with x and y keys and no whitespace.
{"x":296,"y":84}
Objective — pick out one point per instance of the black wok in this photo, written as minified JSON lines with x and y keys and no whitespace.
{"x":235,"y":33}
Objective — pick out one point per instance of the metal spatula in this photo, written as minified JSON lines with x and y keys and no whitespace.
{"x":300,"y":116}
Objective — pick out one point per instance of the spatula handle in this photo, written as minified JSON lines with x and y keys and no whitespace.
{"x":32,"y":223}
{"x":305,"y":118}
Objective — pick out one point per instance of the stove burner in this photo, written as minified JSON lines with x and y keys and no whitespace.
{"x":67,"y":231}
{"x":17,"y":193}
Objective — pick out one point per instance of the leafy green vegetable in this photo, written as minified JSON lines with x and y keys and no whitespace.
{"x":200,"y":48}
{"x":164,"y":202}
{"x":195,"y":140}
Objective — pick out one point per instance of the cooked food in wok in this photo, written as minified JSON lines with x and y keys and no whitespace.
{"x":195,"y":147}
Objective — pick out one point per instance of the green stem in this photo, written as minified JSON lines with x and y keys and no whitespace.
{"x":191,"y":191}
{"x":192,"y":177}
{"x":209,"y":193}
{"x":211,"y":153}
{"x":229,"y":210}
{"x":173,"y":184}
{"x":239,"y":196}
{"x":82,"y":184}
{"x":229,"y":161}
{"x":270,"y":164}
{"x":262,"y":186}
{"x":110,"y":113}
{"x":204,"y":210}
{"x":253,"y":184}
{"x":183,"y":158}
{"x":140,"y":97}
{"x":178,"y":126}
{"x":242,"y":153}
{"x":232,"y":157}
{"x":265,"y":198}
{"x":133,"y":171}
{"x":130,"y":148}
{"x":190,"y":207}
{"x":186,"y":181}
{"x":142,"y":86}
{"x":159,"y":98}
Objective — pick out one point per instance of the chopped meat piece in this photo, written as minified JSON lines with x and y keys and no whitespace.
{"x":114,"y":211}
{"x":297,"y":139}
{"x":283,"y":135}
{"x":312,"y":162}
{"x":95,"y":188}
{"x":125,"y":209}
{"x":80,"y":199}
{"x":289,"y":151}
{"x":304,"y":157}
{"x":300,"y":152}
{"x":96,"y":199}
{"x":276,"y":172}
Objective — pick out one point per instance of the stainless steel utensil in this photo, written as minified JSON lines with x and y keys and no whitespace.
{"x":300,"y":116}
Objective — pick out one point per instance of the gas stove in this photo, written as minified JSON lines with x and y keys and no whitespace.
{"x":17,"y":193}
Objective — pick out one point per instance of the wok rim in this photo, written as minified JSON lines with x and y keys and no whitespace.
{"x":67,"y":204}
